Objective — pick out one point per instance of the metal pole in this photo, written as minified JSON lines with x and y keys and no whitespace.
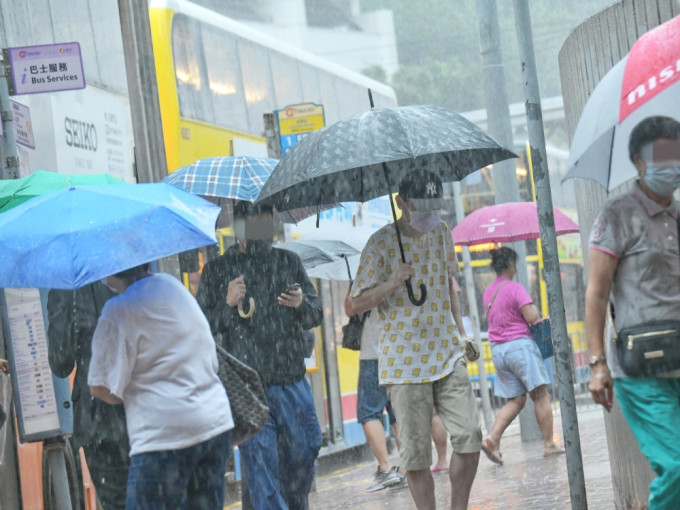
{"x":505,"y":187}
{"x":330,"y":360}
{"x":474,"y":316}
{"x":150,"y":162}
{"x":9,"y":169}
{"x":550,"y":259}
{"x":60,"y":485}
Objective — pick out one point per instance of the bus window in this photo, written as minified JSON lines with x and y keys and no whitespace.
{"x":194,"y":97}
{"x":224,"y":78}
{"x":257,"y":84}
{"x":310,"y":85}
{"x":354,"y":96}
{"x":329,"y":97}
{"x":286,"y":79}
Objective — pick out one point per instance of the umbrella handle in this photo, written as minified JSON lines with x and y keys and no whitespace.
{"x":251,"y":309}
{"x":412,"y":298}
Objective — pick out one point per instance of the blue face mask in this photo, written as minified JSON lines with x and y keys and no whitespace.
{"x":662,"y":179}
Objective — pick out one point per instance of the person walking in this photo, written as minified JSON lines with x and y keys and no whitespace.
{"x":422,"y":348}
{"x":372,"y":401}
{"x":518,"y":362}
{"x":635,"y":266}
{"x":153,"y":351}
{"x":99,"y":428}
{"x":259,"y":300}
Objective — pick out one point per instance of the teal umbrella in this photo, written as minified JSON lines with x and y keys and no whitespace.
{"x":14,"y":192}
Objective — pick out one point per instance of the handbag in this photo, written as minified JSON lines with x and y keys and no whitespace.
{"x":249,"y":408}
{"x":351,"y":332}
{"x":542,"y":335}
{"x":649,"y":349}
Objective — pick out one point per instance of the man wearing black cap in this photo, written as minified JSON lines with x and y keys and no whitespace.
{"x":423,"y":349}
{"x":260,"y":300}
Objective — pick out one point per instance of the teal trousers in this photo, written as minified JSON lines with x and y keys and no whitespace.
{"x":651,"y":407}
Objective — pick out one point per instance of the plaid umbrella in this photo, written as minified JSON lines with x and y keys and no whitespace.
{"x":225,"y":180}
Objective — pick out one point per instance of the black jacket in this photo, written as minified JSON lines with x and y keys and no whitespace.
{"x":72,"y":319}
{"x":272,"y":340}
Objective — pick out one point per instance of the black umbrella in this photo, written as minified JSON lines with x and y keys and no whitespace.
{"x":366,"y":156}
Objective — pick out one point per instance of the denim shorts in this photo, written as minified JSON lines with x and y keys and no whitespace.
{"x":519,"y":367}
{"x":371,"y":397}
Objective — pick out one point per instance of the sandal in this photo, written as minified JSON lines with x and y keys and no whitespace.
{"x":491,"y":451}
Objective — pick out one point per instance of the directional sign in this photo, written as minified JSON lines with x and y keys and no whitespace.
{"x":297,"y":121}
{"x":46,"y":68}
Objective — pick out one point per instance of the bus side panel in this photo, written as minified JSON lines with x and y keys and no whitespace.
{"x":161,"y":35}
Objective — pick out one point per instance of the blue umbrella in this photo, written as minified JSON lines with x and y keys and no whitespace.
{"x":225,"y":180}
{"x":75,"y":236}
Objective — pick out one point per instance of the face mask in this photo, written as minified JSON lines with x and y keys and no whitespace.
{"x":258,"y":247}
{"x":662,"y":179}
{"x":105,"y":281}
{"x":424,"y":221}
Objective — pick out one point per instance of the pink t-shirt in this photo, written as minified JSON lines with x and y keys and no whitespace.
{"x":506,"y":322}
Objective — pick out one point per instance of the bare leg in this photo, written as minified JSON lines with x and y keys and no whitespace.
{"x":375,"y":435}
{"x":440,"y":438}
{"x":421,"y":485}
{"x":544,"y":417}
{"x":462,"y":473}
{"x":505,"y":416}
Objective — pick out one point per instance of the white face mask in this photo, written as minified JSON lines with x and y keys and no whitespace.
{"x":113,"y":289}
{"x":425,"y":221}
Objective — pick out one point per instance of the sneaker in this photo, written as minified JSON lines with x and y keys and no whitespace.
{"x":384,"y":480}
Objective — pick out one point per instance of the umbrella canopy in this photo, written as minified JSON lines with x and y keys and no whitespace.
{"x":642,"y":84}
{"x":226,"y":180}
{"x":75,"y":236}
{"x":16,"y":191}
{"x":331,"y":254}
{"x":366,"y":155}
{"x":508,"y":222}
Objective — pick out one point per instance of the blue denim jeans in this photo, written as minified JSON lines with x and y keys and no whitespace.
{"x":279,"y":460}
{"x":371,"y":397}
{"x":188,"y":478}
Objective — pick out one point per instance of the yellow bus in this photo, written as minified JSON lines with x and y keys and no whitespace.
{"x":217,"y":77}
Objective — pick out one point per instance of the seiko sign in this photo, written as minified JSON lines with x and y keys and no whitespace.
{"x":81,"y":135}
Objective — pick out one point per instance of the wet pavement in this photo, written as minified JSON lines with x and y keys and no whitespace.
{"x":527,"y":480}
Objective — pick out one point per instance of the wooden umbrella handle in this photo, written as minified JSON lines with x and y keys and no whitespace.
{"x":251,"y":309}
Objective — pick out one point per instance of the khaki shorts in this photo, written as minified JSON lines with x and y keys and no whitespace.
{"x":455,"y":403}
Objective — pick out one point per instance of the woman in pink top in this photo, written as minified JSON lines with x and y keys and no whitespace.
{"x":518,"y":362}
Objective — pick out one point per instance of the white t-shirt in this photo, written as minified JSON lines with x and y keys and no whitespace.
{"x":418,"y":344}
{"x":370,"y":337}
{"x":153,"y":349}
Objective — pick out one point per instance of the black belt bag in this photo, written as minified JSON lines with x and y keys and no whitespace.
{"x":649,"y":349}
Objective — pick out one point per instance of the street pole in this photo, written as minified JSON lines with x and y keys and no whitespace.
{"x":147,"y":128}
{"x":551,"y":263}
{"x":474,"y":315}
{"x":9,"y":169}
{"x":505,"y":187}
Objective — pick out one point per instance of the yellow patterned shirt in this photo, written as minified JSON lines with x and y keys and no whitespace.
{"x":418,"y":344}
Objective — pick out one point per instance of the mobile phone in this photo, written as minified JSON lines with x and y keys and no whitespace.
{"x":291,"y":287}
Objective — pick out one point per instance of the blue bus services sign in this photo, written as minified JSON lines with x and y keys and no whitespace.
{"x":46,"y":68}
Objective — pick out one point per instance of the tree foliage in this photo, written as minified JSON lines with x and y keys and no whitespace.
{"x":438,"y":45}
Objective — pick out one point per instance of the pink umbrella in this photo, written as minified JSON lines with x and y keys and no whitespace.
{"x":508,"y":222}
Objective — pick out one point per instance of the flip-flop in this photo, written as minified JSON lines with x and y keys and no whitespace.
{"x":491,"y":451}
{"x":437,"y":469}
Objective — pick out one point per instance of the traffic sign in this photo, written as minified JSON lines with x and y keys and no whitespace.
{"x":46,"y":68}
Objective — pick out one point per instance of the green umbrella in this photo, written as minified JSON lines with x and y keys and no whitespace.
{"x":14,"y":192}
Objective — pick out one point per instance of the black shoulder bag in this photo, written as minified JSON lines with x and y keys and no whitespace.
{"x":648,"y":349}
{"x":351,"y":332}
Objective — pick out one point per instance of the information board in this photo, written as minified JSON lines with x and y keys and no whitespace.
{"x":297,"y":121}
{"x":45,"y":68}
{"x":42,"y":401}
